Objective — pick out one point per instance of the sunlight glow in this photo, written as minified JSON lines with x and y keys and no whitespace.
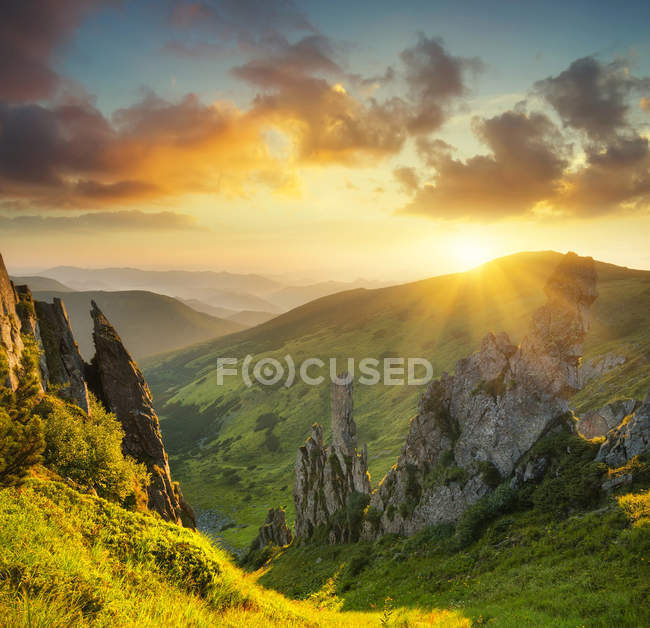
{"x":470,"y":251}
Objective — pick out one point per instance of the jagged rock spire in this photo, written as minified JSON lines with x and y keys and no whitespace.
{"x":123,"y":389}
{"x":274,"y":531}
{"x":332,"y":481}
{"x":65,"y":366}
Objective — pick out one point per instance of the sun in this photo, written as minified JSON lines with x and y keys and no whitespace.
{"x":469,"y":251}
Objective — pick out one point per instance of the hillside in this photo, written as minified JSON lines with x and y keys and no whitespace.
{"x":149,"y":323}
{"x":41,"y":284}
{"x":72,"y":559}
{"x":236,"y":466}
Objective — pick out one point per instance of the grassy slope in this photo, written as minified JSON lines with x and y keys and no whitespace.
{"x":223,"y":463}
{"x":527,"y":569}
{"x":148,"y":323}
{"x":74,"y":560}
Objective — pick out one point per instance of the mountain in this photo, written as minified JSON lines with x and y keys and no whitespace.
{"x":166,"y":282}
{"x":237,"y":462}
{"x":149,"y":323}
{"x":213,"y":310}
{"x":293,"y":296}
{"x":251,"y":318}
{"x":227,"y":290}
{"x":206,"y":289}
{"x":41,"y":284}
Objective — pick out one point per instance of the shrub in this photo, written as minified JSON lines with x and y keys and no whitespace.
{"x":473,"y":521}
{"x":88,"y":449}
{"x":21,"y":446}
{"x":21,"y":430}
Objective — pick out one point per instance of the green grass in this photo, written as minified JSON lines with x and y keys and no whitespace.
{"x":70,"y":559}
{"x":209,"y":429}
{"x":527,"y":569}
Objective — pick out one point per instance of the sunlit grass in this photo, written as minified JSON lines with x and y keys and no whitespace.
{"x":74,"y":560}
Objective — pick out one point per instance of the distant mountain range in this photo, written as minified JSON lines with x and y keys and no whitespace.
{"x":39,"y":284}
{"x":148,"y":323}
{"x":230,"y":291}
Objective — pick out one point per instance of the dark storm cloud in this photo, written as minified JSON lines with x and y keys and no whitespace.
{"x":101,"y":221}
{"x":593,"y":97}
{"x":31,"y":31}
{"x":527,"y":160}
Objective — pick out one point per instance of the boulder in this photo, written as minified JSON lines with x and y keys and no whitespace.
{"x":631,"y":438}
{"x":601,"y":421}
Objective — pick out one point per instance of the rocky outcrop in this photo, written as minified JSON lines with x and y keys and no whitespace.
{"x":473,"y":427}
{"x":26,"y":309}
{"x":631,"y":438}
{"x":332,"y":483}
{"x":11,"y":344}
{"x":119,"y":383}
{"x":600,"y":422}
{"x":65,"y":367}
{"x":591,"y":369}
{"x":274,"y":531}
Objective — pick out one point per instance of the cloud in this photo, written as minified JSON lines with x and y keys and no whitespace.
{"x":408,"y":179}
{"x":101,"y":221}
{"x":613,"y":179}
{"x":592,"y":97}
{"x":31,"y":31}
{"x":434,"y":78}
{"x":531,"y":169}
{"x":527,"y":160}
{"x":70,"y":155}
{"x":249,"y":22}
{"x":306,"y":92}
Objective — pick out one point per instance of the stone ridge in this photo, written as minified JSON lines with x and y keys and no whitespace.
{"x":10,"y":339}
{"x":473,"y":427}
{"x":332,"y":482}
{"x":119,"y":383}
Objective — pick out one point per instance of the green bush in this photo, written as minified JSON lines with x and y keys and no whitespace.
{"x":573,"y":479}
{"x":21,"y":430}
{"x":88,"y":449}
{"x":473,"y":521}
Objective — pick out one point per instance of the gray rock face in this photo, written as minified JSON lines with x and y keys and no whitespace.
{"x":332,"y":482}
{"x":601,"y":365}
{"x":599,"y":422}
{"x":274,"y":531}
{"x":631,"y":438}
{"x":65,"y":367}
{"x":26,"y":309}
{"x":473,"y":427}
{"x":11,"y":344}
{"x":121,"y":386}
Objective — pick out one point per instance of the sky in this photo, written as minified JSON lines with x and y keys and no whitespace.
{"x":331,"y":140}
